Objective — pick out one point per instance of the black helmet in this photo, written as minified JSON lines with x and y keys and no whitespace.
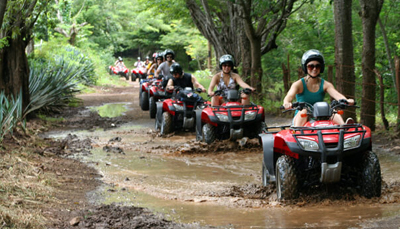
{"x":169,"y":51}
{"x":226,"y":59}
{"x":120,"y":58}
{"x":175,"y":68}
{"x":311,"y":55}
{"x":160,"y":55}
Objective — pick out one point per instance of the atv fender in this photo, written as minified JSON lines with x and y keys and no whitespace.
{"x":268,"y":154}
{"x":198,"y":123}
{"x":159,"y":109}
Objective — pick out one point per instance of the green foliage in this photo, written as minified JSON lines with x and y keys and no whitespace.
{"x":55,"y":76}
{"x":10,"y":113}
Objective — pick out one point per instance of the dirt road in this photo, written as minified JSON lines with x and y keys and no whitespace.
{"x":219,"y":184}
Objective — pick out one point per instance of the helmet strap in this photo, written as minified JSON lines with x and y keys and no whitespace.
{"x":319,"y":75}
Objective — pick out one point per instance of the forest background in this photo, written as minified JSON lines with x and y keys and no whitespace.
{"x":50,"y":50}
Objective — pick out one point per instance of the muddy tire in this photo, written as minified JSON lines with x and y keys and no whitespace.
{"x":370,"y":175}
{"x":152,"y":107}
{"x":144,"y":101}
{"x":166,"y":123}
{"x":127,"y":76}
{"x":266,"y":177}
{"x":286,"y":178}
{"x":209,"y":133}
{"x":133,"y":77}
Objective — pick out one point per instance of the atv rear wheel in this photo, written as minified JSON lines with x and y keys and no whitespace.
{"x":127,"y":76}
{"x":145,"y":101}
{"x":152,"y":107}
{"x":209,"y":133}
{"x":166,"y":123}
{"x":133,"y":77}
{"x":370,"y":175}
{"x":286,"y":178}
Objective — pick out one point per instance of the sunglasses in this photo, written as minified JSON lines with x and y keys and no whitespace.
{"x":311,"y":67}
{"x":168,"y":56}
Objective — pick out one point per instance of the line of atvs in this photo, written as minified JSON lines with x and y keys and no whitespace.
{"x":136,"y":73}
{"x":294,"y":158}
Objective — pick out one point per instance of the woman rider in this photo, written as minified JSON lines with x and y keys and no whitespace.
{"x":227,"y":79}
{"x":312,"y":88}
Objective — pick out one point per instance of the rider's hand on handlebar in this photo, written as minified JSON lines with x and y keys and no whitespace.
{"x":287,"y":106}
{"x":350,"y":101}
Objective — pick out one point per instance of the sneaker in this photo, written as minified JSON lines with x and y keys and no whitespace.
{"x":350,"y":121}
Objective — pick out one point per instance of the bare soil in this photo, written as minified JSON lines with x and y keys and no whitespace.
{"x":76,"y":179}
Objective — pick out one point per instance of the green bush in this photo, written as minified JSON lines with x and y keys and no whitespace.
{"x":10,"y":113}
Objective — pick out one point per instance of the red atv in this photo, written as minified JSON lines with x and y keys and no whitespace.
{"x":156,"y":92}
{"x":320,"y":152}
{"x":178,"y":112}
{"x":138,"y":73}
{"x":119,"y":70}
{"x":144,"y":93}
{"x":231,"y":120}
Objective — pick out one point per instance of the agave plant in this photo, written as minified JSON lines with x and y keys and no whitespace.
{"x":52,"y":86}
{"x":10,"y":113}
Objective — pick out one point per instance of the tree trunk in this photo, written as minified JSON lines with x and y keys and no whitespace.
{"x":345,"y":77}
{"x":369,"y":14}
{"x":14,"y":70}
{"x":388,"y":53}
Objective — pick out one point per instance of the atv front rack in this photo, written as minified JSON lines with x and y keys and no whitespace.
{"x":322,"y":147}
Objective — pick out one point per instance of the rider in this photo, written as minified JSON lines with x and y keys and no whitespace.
{"x":119,"y":62}
{"x":163,"y":69}
{"x":312,"y":88}
{"x":138,"y":63}
{"x":182,"y":79}
{"x":157,"y":60}
{"x":227,"y":79}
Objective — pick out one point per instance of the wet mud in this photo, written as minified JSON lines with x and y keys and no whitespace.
{"x":189,"y":181}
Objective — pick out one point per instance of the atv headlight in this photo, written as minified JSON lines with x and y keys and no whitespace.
{"x":178,"y":107}
{"x":250,"y":115}
{"x":351,"y":142}
{"x":308,"y":144}
{"x":222,"y":117}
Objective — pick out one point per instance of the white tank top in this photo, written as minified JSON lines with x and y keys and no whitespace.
{"x":222,"y":86}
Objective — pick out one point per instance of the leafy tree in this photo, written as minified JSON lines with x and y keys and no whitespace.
{"x":15,"y":34}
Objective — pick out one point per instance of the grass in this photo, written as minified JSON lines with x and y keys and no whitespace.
{"x":23,"y":190}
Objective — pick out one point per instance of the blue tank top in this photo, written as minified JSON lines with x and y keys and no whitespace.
{"x":311,"y":97}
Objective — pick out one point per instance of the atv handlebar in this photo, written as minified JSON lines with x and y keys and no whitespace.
{"x":335,"y":105}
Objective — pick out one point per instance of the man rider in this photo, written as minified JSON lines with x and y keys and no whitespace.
{"x":182,"y":79}
{"x":163,"y":69}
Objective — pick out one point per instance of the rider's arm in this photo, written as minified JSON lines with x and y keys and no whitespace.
{"x":196,"y":84}
{"x":212,"y":84}
{"x":335,"y":94}
{"x":170,"y":85}
{"x":294,"y":89}
{"x":241,"y":83}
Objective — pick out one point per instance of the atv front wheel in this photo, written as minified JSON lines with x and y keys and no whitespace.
{"x":127,"y":76}
{"x":199,"y":135}
{"x":133,"y":77}
{"x":145,"y":101}
{"x":152,"y":107}
{"x":370,"y":175}
{"x":286,"y":178}
{"x":209,"y":134}
{"x":166,"y":123}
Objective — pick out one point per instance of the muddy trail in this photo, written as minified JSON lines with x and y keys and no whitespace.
{"x":193,"y":184}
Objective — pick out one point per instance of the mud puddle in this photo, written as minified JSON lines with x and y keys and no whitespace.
{"x":221,"y":187}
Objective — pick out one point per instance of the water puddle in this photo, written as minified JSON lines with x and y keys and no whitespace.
{"x":193,"y":188}
{"x":111,"y":110}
